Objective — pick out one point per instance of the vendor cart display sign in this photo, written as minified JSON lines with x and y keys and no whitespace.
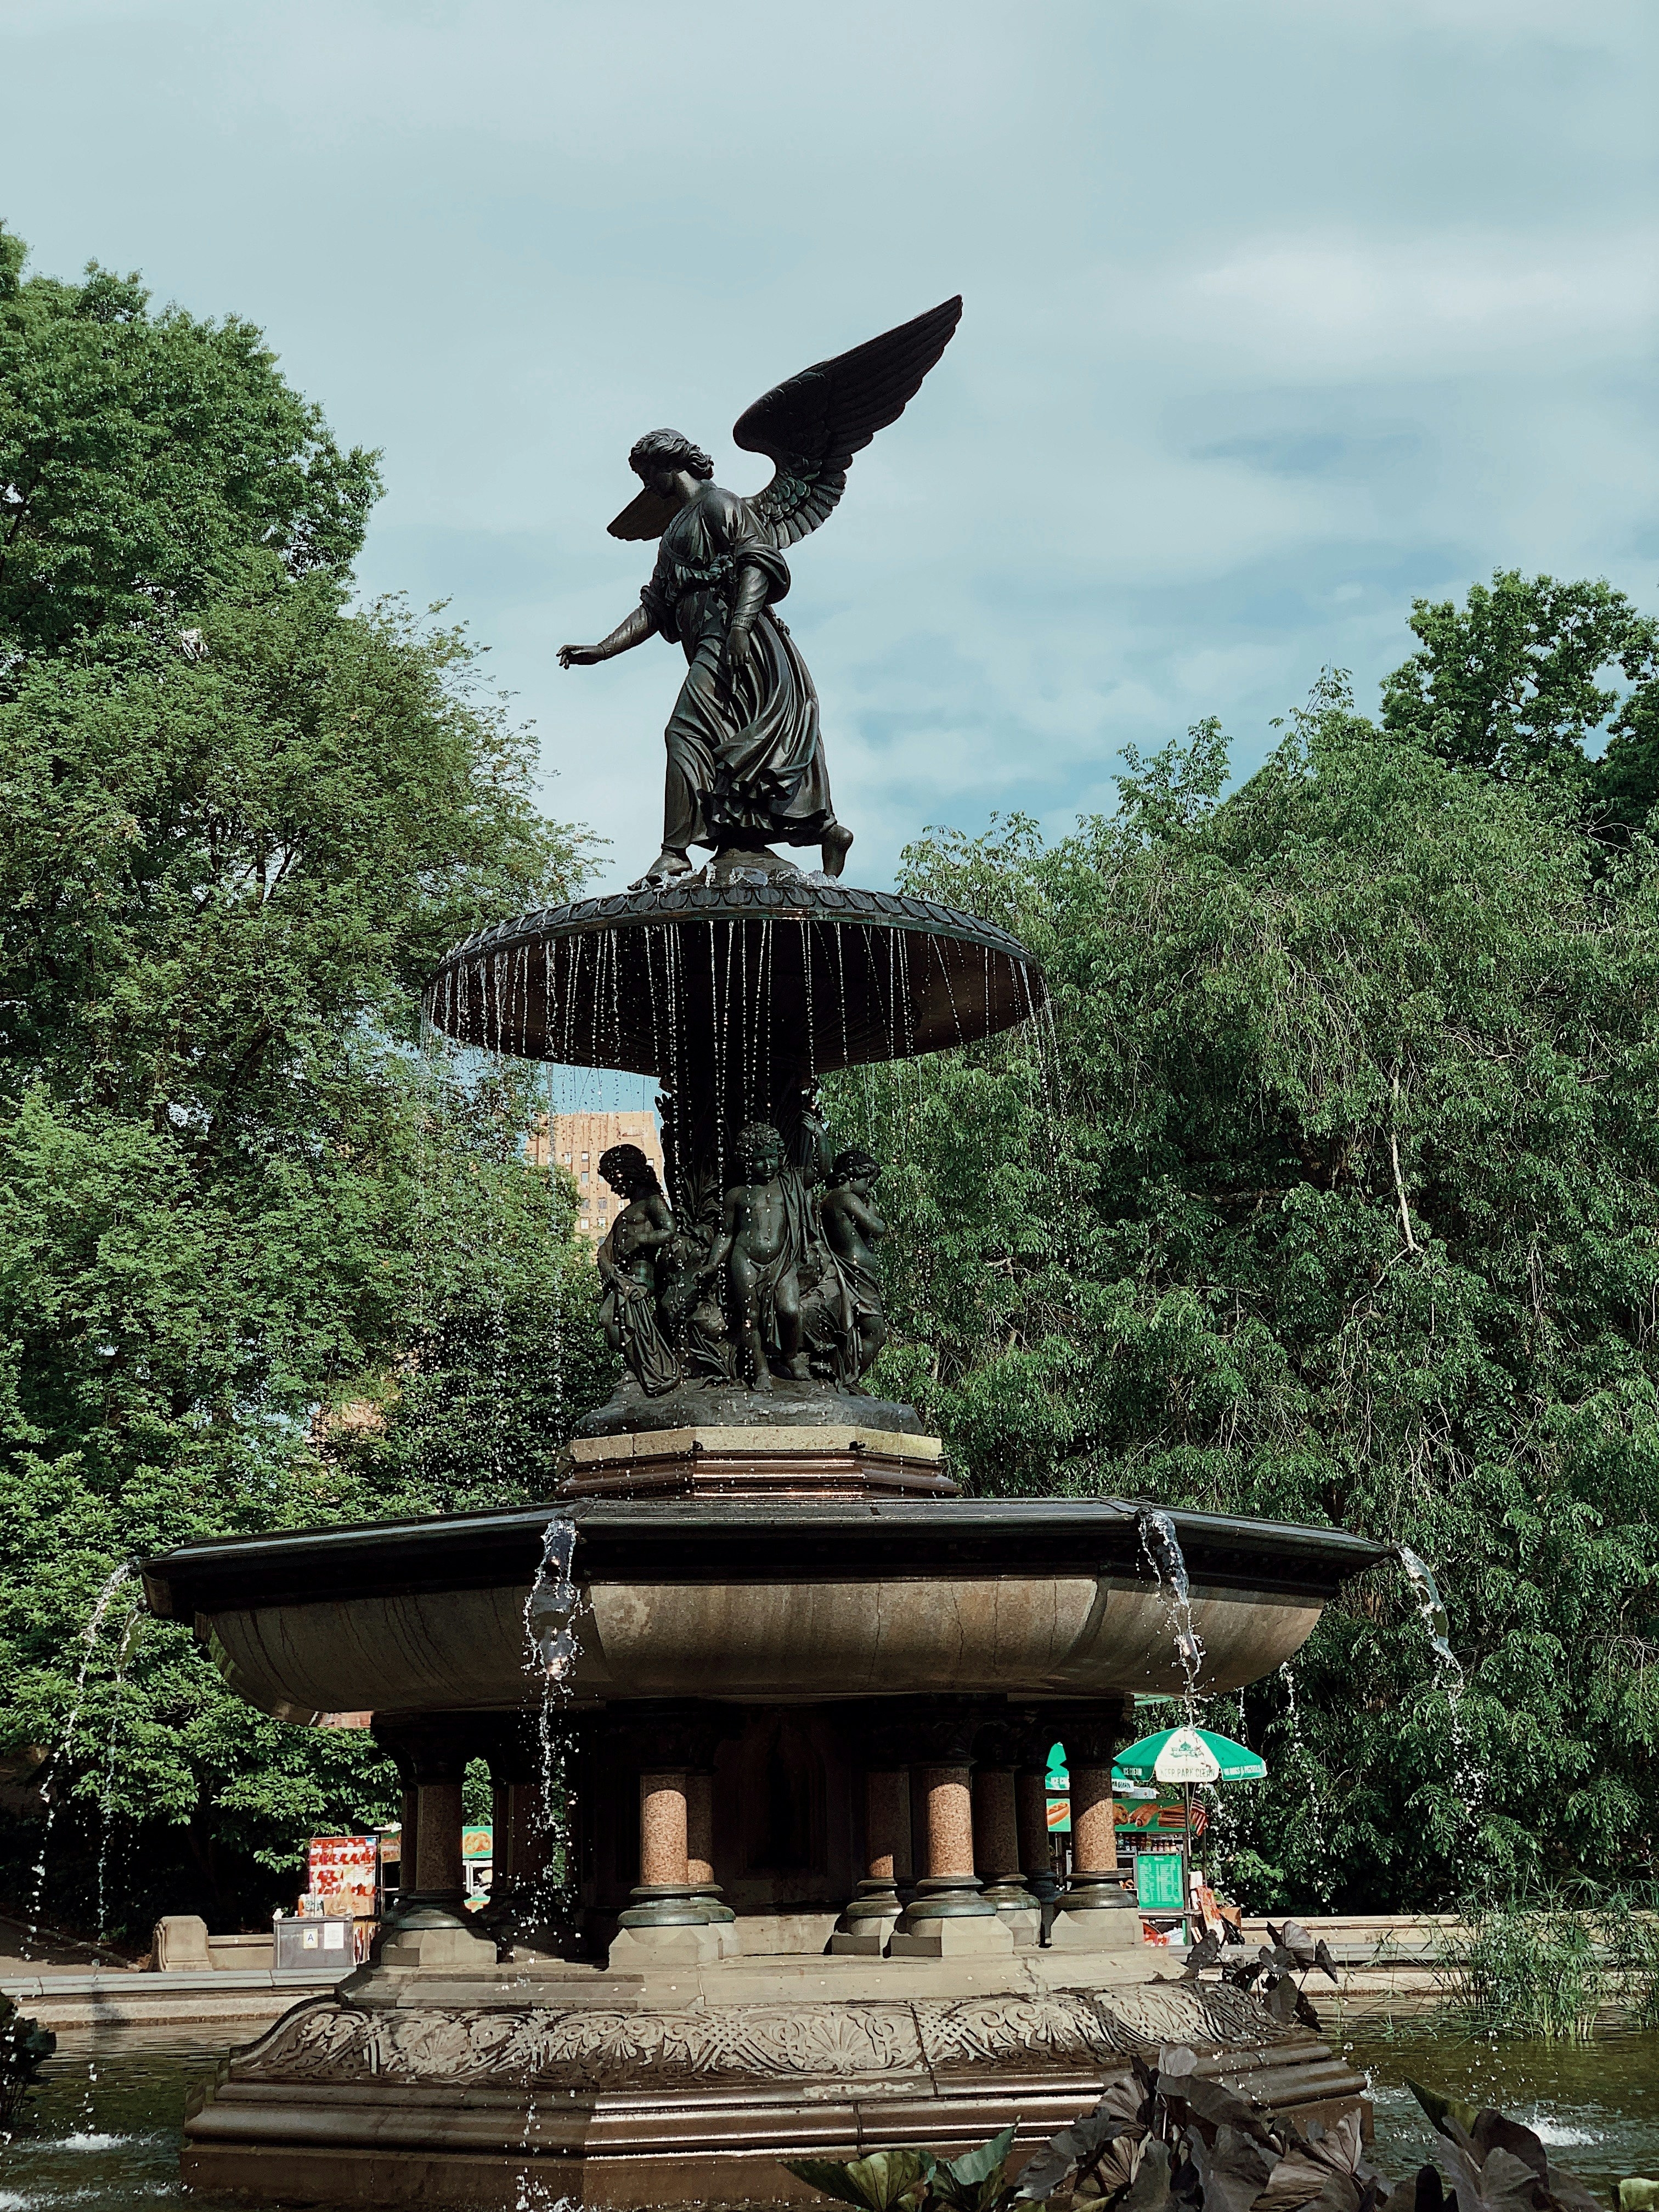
{"x":1158,"y":1881}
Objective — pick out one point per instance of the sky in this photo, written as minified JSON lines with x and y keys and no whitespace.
{"x":1278,"y":316}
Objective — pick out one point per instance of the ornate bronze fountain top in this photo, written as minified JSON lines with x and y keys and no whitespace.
{"x":745,"y":751}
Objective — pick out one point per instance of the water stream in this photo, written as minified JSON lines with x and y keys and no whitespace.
{"x":1161,"y":1548}
{"x":553,"y":1648}
{"x":104,"y":1599}
{"x":1468,"y":1781}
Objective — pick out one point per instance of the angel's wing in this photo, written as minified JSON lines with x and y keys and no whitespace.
{"x":813,"y":426}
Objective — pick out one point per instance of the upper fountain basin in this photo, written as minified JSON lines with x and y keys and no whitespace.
{"x":795,"y":969}
{"x":749,"y":1601}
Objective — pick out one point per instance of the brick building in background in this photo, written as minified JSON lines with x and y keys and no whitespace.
{"x":577,"y":1141}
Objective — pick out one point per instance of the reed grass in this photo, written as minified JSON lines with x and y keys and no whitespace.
{"x":1555,"y":1964}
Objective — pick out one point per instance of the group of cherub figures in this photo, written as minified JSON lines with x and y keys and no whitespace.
{"x":771,"y":1275}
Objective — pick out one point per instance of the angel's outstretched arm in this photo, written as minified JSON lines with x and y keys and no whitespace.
{"x":633,"y":631}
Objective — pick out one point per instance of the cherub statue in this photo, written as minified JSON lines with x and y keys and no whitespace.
{"x":628,"y":1270}
{"x":689,"y":1307}
{"x":746,"y":754}
{"x":851,"y":1226}
{"x":764,"y":1234}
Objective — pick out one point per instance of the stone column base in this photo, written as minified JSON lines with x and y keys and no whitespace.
{"x":1096,"y":1928}
{"x":409,"y":1946}
{"x":866,"y":1938}
{"x":1024,"y":1922}
{"x":957,"y":1937}
{"x":696,"y":1944}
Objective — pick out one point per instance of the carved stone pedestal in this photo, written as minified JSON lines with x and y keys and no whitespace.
{"x":794,"y":1456}
{"x":689,"y":2085}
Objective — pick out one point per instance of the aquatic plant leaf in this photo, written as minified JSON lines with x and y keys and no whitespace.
{"x":973,"y":2181}
{"x":1175,"y":2061}
{"x":1572,"y":2194}
{"x":1282,"y":1999}
{"x":1342,"y":2145}
{"x":876,"y":2183}
{"x":1440,"y":2110}
{"x":1499,"y":2183}
{"x":1322,"y":1958}
{"x":1150,"y":2190}
{"x":1205,"y":1953}
{"x":1296,"y":2179}
{"x":1233,"y":2171}
{"x":1637,"y":2194}
{"x":1298,"y":1942}
{"x":1074,"y":2145}
{"x":1424,"y":2192}
{"x":1492,"y":2130}
{"x":1214,"y":2103}
{"x":1305,"y":2013}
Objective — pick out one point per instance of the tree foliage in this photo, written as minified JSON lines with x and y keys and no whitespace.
{"x":1522,"y":681}
{"x":259,"y":1253}
{"x":143,"y":457}
{"x":1333,"y":1196}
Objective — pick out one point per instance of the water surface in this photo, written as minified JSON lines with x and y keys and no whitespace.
{"x":1594,"y":2105}
{"x":104,"y":2133}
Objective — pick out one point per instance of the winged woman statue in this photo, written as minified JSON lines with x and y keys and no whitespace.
{"x":745,"y":753}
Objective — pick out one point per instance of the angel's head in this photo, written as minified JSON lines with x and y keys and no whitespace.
{"x":659,"y":456}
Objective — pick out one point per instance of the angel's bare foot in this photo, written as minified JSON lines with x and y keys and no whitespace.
{"x":837,"y":845}
{"x":668,"y":864}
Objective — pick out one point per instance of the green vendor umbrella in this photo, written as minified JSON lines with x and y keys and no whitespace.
{"x":1187,"y":1754}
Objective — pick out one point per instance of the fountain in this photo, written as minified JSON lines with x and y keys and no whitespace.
{"x":797,"y":1693}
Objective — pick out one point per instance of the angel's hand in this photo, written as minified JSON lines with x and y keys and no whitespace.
{"x":579,"y":656}
{"x":735,"y":654}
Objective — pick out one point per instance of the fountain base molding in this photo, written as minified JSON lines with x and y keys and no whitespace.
{"x":852,"y":1459}
{"x":688,"y":2083}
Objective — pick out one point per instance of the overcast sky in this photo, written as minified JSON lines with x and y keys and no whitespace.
{"x":1278,"y":315}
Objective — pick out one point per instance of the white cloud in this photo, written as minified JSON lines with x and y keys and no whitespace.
{"x":1276,"y":318}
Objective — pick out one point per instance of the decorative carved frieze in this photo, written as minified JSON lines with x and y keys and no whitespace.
{"x":877,"y":2041}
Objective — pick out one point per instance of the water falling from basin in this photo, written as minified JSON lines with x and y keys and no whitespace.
{"x":1431,"y":1605}
{"x":1161,"y":1547}
{"x":1468,"y":1780}
{"x":89,"y":1635}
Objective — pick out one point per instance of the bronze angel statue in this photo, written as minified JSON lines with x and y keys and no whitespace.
{"x":745,"y":753}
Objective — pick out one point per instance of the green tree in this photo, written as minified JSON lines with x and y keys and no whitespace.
{"x":1515,"y":680}
{"x":259,"y":1251}
{"x":1522,"y":681}
{"x":144,"y":456}
{"x":1336,"y":1198}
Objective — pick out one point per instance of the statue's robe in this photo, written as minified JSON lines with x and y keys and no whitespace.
{"x":745,"y":755}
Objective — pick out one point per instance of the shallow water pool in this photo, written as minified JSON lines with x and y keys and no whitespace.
{"x":1595,"y":2105}
{"x":104,"y":2132}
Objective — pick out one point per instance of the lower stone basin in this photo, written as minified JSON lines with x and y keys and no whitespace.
{"x":750,"y":1600}
{"x":833,"y":1713}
